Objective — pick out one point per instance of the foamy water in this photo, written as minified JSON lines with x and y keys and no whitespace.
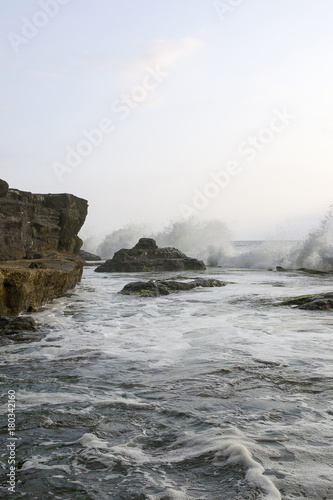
{"x":207,"y":394}
{"x":212,"y":242}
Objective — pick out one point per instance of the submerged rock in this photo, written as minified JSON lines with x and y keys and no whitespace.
{"x":146,"y":257}
{"x":10,"y":325}
{"x":316,"y":302}
{"x":301,"y":269}
{"x":87,"y":256}
{"x":155,"y":288}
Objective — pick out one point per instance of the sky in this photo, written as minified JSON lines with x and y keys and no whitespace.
{"x":164,"y":110}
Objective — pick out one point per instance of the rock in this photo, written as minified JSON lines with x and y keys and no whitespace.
{"x":155,"y":288}
{"x":10,"y":325}
{"x":3,"y":188}
{"x":316,"y":302}
{"x":38,"y":226}
{"x":87,"y":256}
{"x":37,"y":265}
{"x":318,"y":305}
{"x":146,"y":257}
{"x":24,"y":290}
{"x":39,"y":223}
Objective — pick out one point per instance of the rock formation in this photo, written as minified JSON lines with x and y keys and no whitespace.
{"x":155,"y":288}
{"x":146,"y":257}
{"x":38,"y":247}
{"x":39,"y":223}
{"x":87,"y":256}
{"x":316,"y":302}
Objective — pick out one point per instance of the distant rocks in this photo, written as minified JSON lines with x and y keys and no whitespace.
{"x":317,"y":302}
{"x":87,"y":256}
{"x":155,"y":288}
{"x":301,"y":269}
{"x":147,"y":257}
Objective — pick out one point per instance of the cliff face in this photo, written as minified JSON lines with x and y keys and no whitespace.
{"x":43,"y":227}
{"x":39,"y":223}
{"x":23,"y":289}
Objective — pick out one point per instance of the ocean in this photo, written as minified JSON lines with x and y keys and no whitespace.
{"x":210,"y":394}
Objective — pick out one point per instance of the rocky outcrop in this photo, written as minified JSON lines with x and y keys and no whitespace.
{"x":38,"y":247}
{"x":10,"y":325}
{"x":19,"y":329}
{"x":25,"y":289}
{"x":155,"y":288}
{"x":87,"y":256}
{"x":146,"y":257}
{"x":33,"y":224}
{"x":316,"y":302}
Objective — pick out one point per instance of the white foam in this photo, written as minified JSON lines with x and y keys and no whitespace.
{"x":38,"y":462}
{"x":239,"y":454}
{"x":89,"y":440}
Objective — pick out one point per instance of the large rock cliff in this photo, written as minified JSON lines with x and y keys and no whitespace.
{"x":39,"y":247}
{"x":39,"y":223}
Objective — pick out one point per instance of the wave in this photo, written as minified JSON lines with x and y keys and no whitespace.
{"x":207,"y":240}
{"x":211,"y":241}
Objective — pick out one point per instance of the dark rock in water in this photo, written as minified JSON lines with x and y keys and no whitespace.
{"x":316,"y":302}
{"x":10,"y":325}
{"x":155,"y":288}
{"x":87,"y":256}
{"x":146,"y":257}
{"x":3,"y":188}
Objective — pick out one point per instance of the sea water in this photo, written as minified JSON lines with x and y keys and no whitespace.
{"x":207,"y":394}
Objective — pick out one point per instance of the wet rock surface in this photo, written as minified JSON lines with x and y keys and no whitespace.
{"x":317,"y":302}
{"x":146,"y":256}
{"x":19,"y":329}
{"x":156,"y":288}
{"x":39,"y":247}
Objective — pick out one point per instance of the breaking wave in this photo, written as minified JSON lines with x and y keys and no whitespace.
{"x":212,"y":242}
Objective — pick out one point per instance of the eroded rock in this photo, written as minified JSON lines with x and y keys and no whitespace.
{"x":155,"y":288}
{"x":10,"y":325}
{"x":147,"y":257}
{"x":316,"y":302}
{"x":40,"y":227}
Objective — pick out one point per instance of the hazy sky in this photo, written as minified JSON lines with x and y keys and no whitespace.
{"x":155,"y":110}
